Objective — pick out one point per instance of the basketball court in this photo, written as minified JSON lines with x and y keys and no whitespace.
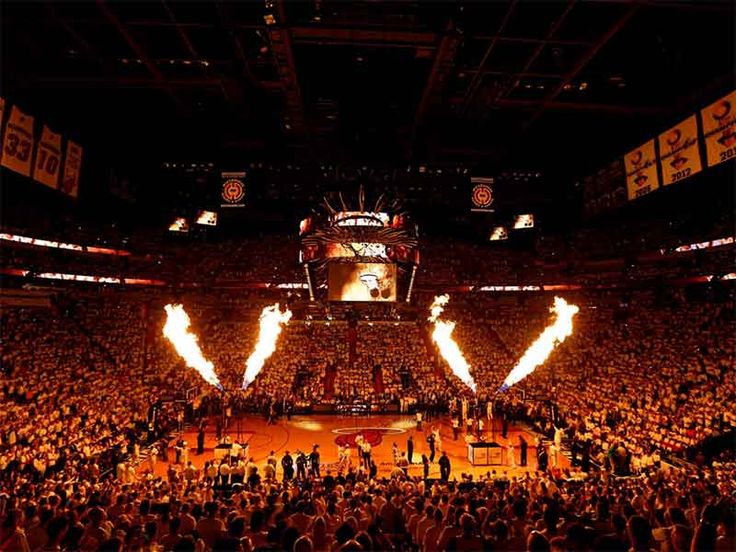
{"x":383,"y":430}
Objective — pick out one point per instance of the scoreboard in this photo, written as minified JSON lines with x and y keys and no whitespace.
{"x":361,"y":256}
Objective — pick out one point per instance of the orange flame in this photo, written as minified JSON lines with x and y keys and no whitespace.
{"x":271,"y":321}
{"x":449,"y":349}
{"x":552,"y":336}
{"x":177,"y":331}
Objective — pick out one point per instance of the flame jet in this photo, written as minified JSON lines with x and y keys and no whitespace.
{"x":176,"y":330}
{"x":538,"y":352}
{"x":442,"y":336}
{"x":271,"y":321}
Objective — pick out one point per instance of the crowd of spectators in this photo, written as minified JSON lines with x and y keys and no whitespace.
{"x":634,"y":252}
{"x":75,"y":390}
{"x":676,"y":510}
{"x":655,"y":375}
{"x":85,"y":382}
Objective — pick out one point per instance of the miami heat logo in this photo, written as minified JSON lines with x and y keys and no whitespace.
{"x":722,"y":110}
{"x":673,"y":141}
{"x":482,"y":195}
{"x":376,"y":284}
{"x":233,"y":190}
{"x":636,"y":159}
{"x":721,"y":114}
{"x":673,"y":138}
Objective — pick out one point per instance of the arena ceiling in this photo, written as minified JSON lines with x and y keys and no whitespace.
{"x":508,"y":82}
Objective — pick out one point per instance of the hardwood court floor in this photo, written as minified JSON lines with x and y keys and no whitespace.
{"x":302,"y":432}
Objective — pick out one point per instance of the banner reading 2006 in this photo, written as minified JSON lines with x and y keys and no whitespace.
{"x":641,"y":170}
{"x":678,"y":151}
{"x":719,"y":130}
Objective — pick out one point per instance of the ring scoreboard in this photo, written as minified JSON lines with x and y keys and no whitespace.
{"x":359,"y":255}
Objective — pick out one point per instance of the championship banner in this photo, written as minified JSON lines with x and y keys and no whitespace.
{"x":641,"y":170}
{"x":679,"y":154}
{"x":719,"y":129}
{"x":481,"y":194}
{"x":48,"y":159}
{"x":232,"y":190}
{"x":18,"y":142}
{"x":72,"y":165}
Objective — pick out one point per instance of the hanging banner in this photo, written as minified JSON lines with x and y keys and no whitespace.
{"x":719,"y":130}
{"x":679,"y":153}
{"x":481,"y":194}
{"x":47,"y":163}
{"x":72,"y":165}
{"x":232,"y":190}
{"x":641,"y":170}
{"x":18,"y":142}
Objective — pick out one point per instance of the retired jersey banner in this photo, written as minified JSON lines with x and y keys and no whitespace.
{"x":679,"y":153}
{"x":47,"y":163}
{"x":18,"y":142}
{"x":481,"y":194}
{"x":72,"y":166}
{"x":719,"y":130}
{"x":641,"y":170}
{"x":232,"y":189}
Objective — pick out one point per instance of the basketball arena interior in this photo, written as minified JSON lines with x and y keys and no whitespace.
{"x":367,"y":275}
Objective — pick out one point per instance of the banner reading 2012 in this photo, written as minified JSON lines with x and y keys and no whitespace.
{"x":641,"y":170}
{"x":18,"y":142}
{"x":719,"y":129}
{"x":679,"y":154}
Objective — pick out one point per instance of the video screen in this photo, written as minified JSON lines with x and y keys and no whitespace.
{"x":361,"y":282}
{"x":524,"y":221}
{"x":360,"y":218}
{"x":207,"y":218}
{"x":180,"y":224}
{"x":356,"y":249}
{"x":499,"y":233}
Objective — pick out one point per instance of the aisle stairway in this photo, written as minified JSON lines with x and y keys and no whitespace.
{"x":439,"y":372}
{"x":378,"y":386}
{"x":352,"y":337}
{"x":328,"y":383}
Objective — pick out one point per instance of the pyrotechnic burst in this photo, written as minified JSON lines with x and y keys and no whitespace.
{"x":449,"y":349}
{"x":552,"y":336}
{"x":177,"y":331}
{"x":271,"y":321}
